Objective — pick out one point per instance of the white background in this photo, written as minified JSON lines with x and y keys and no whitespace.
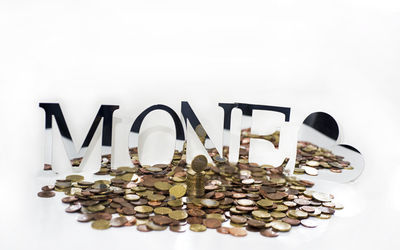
{"x":341,"y":57}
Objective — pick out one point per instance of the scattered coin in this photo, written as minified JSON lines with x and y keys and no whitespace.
{"x":212,"y":223}
{"x":198,"y":228}
{"x":100,"y":224}
{"x":237,"y":231}
{"x":46,"y":194}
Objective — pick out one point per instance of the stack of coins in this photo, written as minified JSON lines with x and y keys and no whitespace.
{"x":195,"y":178}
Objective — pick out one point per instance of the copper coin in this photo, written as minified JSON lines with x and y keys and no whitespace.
{"x":237,"y":231}
{"x":196,"y":212}
{"x":194,"y":220}
{"x":46,"y":194}
{"x":252,"y":229}
{"x":291,"y":221}
{"x":143,"y":228}
{"x":102,"y":216}
{"x":142,"y":216}
{"x":269,"y":233}
{"x":238,"y":219}
{"x":161,"y":220}
{"x":48,"y":188}
{"x":69,"y":199}
{"x":128,"y":210}
{"x":212,"y":223}
{"x":223,"y":230}
{"x":118,"y":221}
{"x":276,"y":196}
{"x":256,"y":223}
{"x":131,"y":221}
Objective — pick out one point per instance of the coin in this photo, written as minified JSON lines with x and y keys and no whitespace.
{"x":132,"y":197}
{"x":73,"y":208}
{"x":199,"y":163}
{"x":297,"y":214}
{"x":238,"y":219}
{"x":178,"y":215}
{"x":280,"y":226}
{"x":143,"y":228}
{"x":256,"y":223}
{"x":162,"y":185}
{"x":237,"y":231}
{"x":198,"y":228}
{"x":46,"y":194}
{"x":100,"y":224}
{"x":310,"y":170}
{"x":177,"y":229}
{"x":245,"y":202}
{"x":265,"y":203}
{"x":269,"y":233}
{"x":291,"y":221}
{"x":223,"y":230}
{"x":143,"y":209}
{"x":153,"y":226}
{"x":309,"y":223}
{"x":162,"y":210}
{"x":161,"y":220}
{"x":262,"y":214}
{"x":74,"y":178}
{"x":85,"y":217}
{"x":118,"y":221}
{"x":209,"y":203}
{"x":177,"y":191}
{"x":212,"y":223}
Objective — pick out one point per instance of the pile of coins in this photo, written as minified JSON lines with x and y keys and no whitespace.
{"x":310,"y":158}
{"x":230,"y":198}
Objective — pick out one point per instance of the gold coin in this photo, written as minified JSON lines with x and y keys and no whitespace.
{"x":162,"y":210}
{"x":199,"y":163}
{"x":297,"y":214}
{"x":281,"y":226}
{"x":263,"y":214}
{"x":265,"y":203}
{"x":156,"y":197}
{"x":96,"y":208}
{"x":74,"y":178}
{"x":281,"y":208}
{"x":100,"y":224}
{"x":278,"y":215}
{"x":143,"y":209}
{"x":177,"y":190}
{"x":162,"y":185}
{"x":219,"y":217}
{"x":198,"y":228}
{"x":175,"y":203}
{"x":178,"y":214}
